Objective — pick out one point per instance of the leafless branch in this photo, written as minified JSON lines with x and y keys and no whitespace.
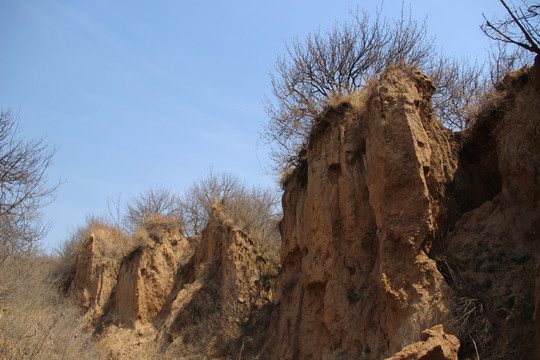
{"x":520,"y":27}
{"x":24,"y":188}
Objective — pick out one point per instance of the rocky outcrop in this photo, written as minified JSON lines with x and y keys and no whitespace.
{"x":127,"y":279}
{"x":233,"y":253}
{"x":434,"y":344}
{"x":359,"y":220}
{"x":96,"y":271}
{"x":393,"y":224}
{"x":168,"y":295}
{"x":146,"y":277}
{"x":225,"y":283}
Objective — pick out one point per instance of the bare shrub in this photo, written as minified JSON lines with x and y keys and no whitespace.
{"x":255,"y":211}
{"x":252,"y":209}
{"x":24,"y":189}
{"x":503,"y":59}
{"x":38,"y":322}
{"x":151,"y":203}
{"x":460,"y":86}
{"x":472,"y":323}
{"x":66,"y":253}
{"x":196,"y":203}
{"x":463,"y":88}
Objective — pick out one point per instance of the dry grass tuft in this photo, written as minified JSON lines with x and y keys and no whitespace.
{"x":471,"y":323}
{"x":155,"y":227}
{"x":37,"y":322}
{"x":356,"y":100}
{"x":113,"y":243}
{"x":519,"y":132}
{"x":471,"y":317}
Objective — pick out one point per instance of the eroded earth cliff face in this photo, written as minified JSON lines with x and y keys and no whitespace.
{"x":156,"y":296}
{"x":359,"y":221}
{"x":146,"y":276}
{"x":394,"y":230}
{"x":490,"y":256}
{"x":393,"y":225}
{"x":216,"y":291}
{"x":96,"y":272}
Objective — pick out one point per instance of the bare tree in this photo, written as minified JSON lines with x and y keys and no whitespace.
{"x":256,"y":211}
{"x":463,"y":87}
{"x":521,"y":26}
{"x":196,"y":203}
{"x":329,"y":65}
{"x":459,"y":88}
{"x":253,"y":209}
{"x":332,"y":64}
{"x":504,"y":58}
{"x":152,"y":202}
{"x":24,"y":189}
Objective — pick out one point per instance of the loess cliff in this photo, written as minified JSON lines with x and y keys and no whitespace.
{"x":400,"y":239}
{"x":164,"y":299}
{"x":360,"y":218}
{"x":394,"y":225}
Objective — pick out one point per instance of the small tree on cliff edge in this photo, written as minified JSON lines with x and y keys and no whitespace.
{"x":253,"y":209}
{"x":339,"y":62}
{"x":330,"y":64}
{"x":152,"y":202}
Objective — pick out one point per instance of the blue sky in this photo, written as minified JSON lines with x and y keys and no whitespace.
{"x":136,"y":94}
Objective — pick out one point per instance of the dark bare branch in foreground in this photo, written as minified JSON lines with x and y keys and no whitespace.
{"x":521,"y":26}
